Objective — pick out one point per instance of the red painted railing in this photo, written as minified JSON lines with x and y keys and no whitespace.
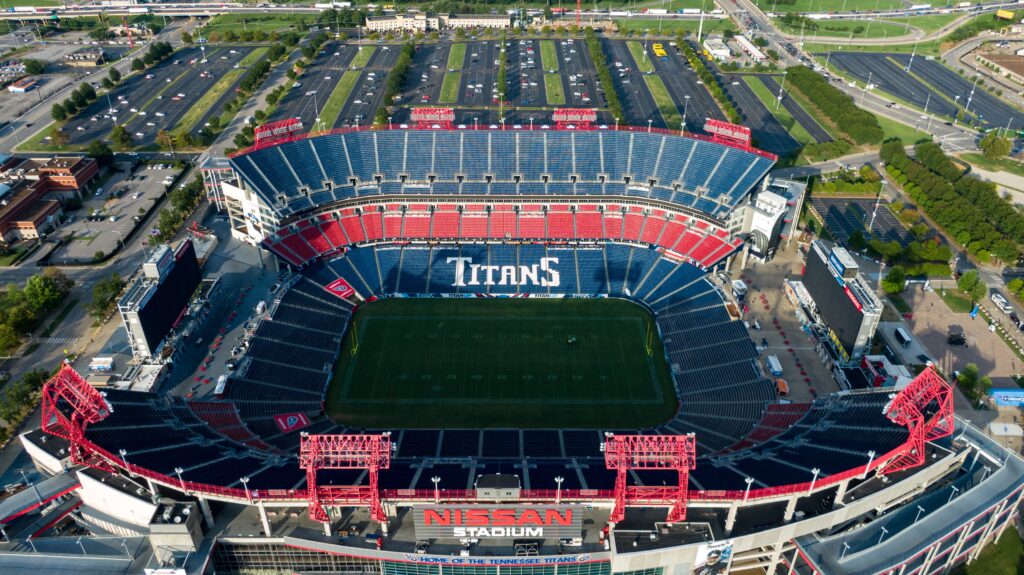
{"x":356,"y":495}
{"x":506,"y":127}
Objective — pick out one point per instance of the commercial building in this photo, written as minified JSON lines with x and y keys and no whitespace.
{"x":410,"y":22}
{"x":21,"y":86}
{"x":84,"y":58}
{"x":31,"y":191}
{"x":717,"y":48}
{"x":477,"y":21}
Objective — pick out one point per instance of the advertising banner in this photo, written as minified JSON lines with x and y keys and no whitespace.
{"x":479,"y":522}
{"x":340,"y":288}
{"x":291,"y":421}
{"x":713,"y":558}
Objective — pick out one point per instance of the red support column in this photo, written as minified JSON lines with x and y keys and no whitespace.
{"x":69,"y":404}
{"x":666,"y":452}
{"x":370,"y":452}
{"x":925,"y":406}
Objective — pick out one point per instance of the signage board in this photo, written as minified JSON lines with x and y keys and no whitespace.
{"x":340,"y":288}
{"x":495,"y":521}
{"x":287,"y":422}
{"x":1008,"y":397}
{"x":727,"y":130}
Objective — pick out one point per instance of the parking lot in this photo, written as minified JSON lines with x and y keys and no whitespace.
{"x":316,"y":84}
{"x":844,"y":216}
{"x":158,"y":98}
{"x":769,"y":134}
{"x":794,"y":108}
{"x":109,"y":213}
{"x":929,"y":82}
{"x":368,"y":93}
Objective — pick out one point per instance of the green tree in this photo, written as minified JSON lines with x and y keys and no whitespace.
{"x":994,"y":146}
{"x":895,"y":281}
{"x":104,"y":293}
{"x":34,"y":67}
{"x":120,"y":136}
{"x":138,"y":65}
{"x":57,"y":136}
{"x":106,"y":83}
{"x":101,"y":152}
{"x":1015,"y":285}
{"x":114,"y":75}
{"x":58,"y":113}
{"x":69,"y":107}
{"x":79,"y":99}
{"x":186,"y":38}
{"x":88,"y":91}
{"x":857,"y":241}
{"x":42,"y":293}
{"x":971,"y":284}
{"x":8,"y":337}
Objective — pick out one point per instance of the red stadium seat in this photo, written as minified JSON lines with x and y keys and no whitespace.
{"x":353,"y":228}
{"x":503,"y":222}
{"x":588,"y":224}
{"x":446,"y":223}
{"x":653,"y":225}
{"x":560,"y":225}
{"x":634,"y":220}
{"x":474,"y":225}
{"x":417,"y":225}
{"x":373,"y":224}
{"x":332,"y":229}
{"x":316,"y":239}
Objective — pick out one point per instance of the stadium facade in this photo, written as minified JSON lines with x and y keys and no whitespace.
{"x":875,"y":481}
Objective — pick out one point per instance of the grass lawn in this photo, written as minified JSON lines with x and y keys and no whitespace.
{"x":843,"y":29}
{"x":670,"y":27}
{"x":252,"y":57}
{"x":335,"y":103}
{"x":37,"y":143}
{"x":1000,"y":165}
{"x":956,"y":301}
{"x":931,"y":22}
{"x":501,"y":363}
{"x":799,"y":133}
{"x":450,"y":87}
{"x":923,"y":49}
{"x":456,"y":56}
{"x":643,"y":61}
{"x":894,"y":129}
{"x":188,"y":122}
{"x":265,"y":22}
{"x":12,"y":3}
{"x":12,"y":256}
{"x":362,"y":57}
{"x":664,"y":101}
{"x":673,"y":5}
{"x":819,"y":6}
{"x":1003,"y":558}
{"x":548,"y":55}
{"x":553,"y":89}
{"x":899,"y":303}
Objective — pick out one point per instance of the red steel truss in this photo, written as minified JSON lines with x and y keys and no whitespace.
{"x":84,"y":404}
{"x":574,"y":118}
{"x":666,"y":452}
{"x":370,"y":452}
{"x":925,"y":406}
{"x":432,"y":118}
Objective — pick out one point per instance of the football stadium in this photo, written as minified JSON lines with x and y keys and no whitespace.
{"x":505,"y":352}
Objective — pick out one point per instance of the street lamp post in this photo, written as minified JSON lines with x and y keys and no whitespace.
{"x":245,"y":485}
{"x":437,"y":492}
{"x":865,"y":92}
{"x":79,"y":541}
{"x":181,"y":482}
{"x":686,"y":104}
{"x":649,"y":121}
{"x":882,"y":536}
{"x":846,"y":547}
{"x":746,"y":493}
{"x":123,"y":453}
{"x":814,"y":480}
{"x":558,"y":490}
{"x":920,"y":510}
{"x":952,"y":493}
{"x":616,"y":124}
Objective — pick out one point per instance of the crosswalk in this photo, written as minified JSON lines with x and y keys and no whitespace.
{"x":59,"y":340}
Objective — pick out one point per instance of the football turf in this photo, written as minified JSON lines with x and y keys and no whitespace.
{"x":501,"y":363}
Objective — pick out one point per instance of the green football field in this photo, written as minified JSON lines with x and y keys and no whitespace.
{"x":501,"y":363}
